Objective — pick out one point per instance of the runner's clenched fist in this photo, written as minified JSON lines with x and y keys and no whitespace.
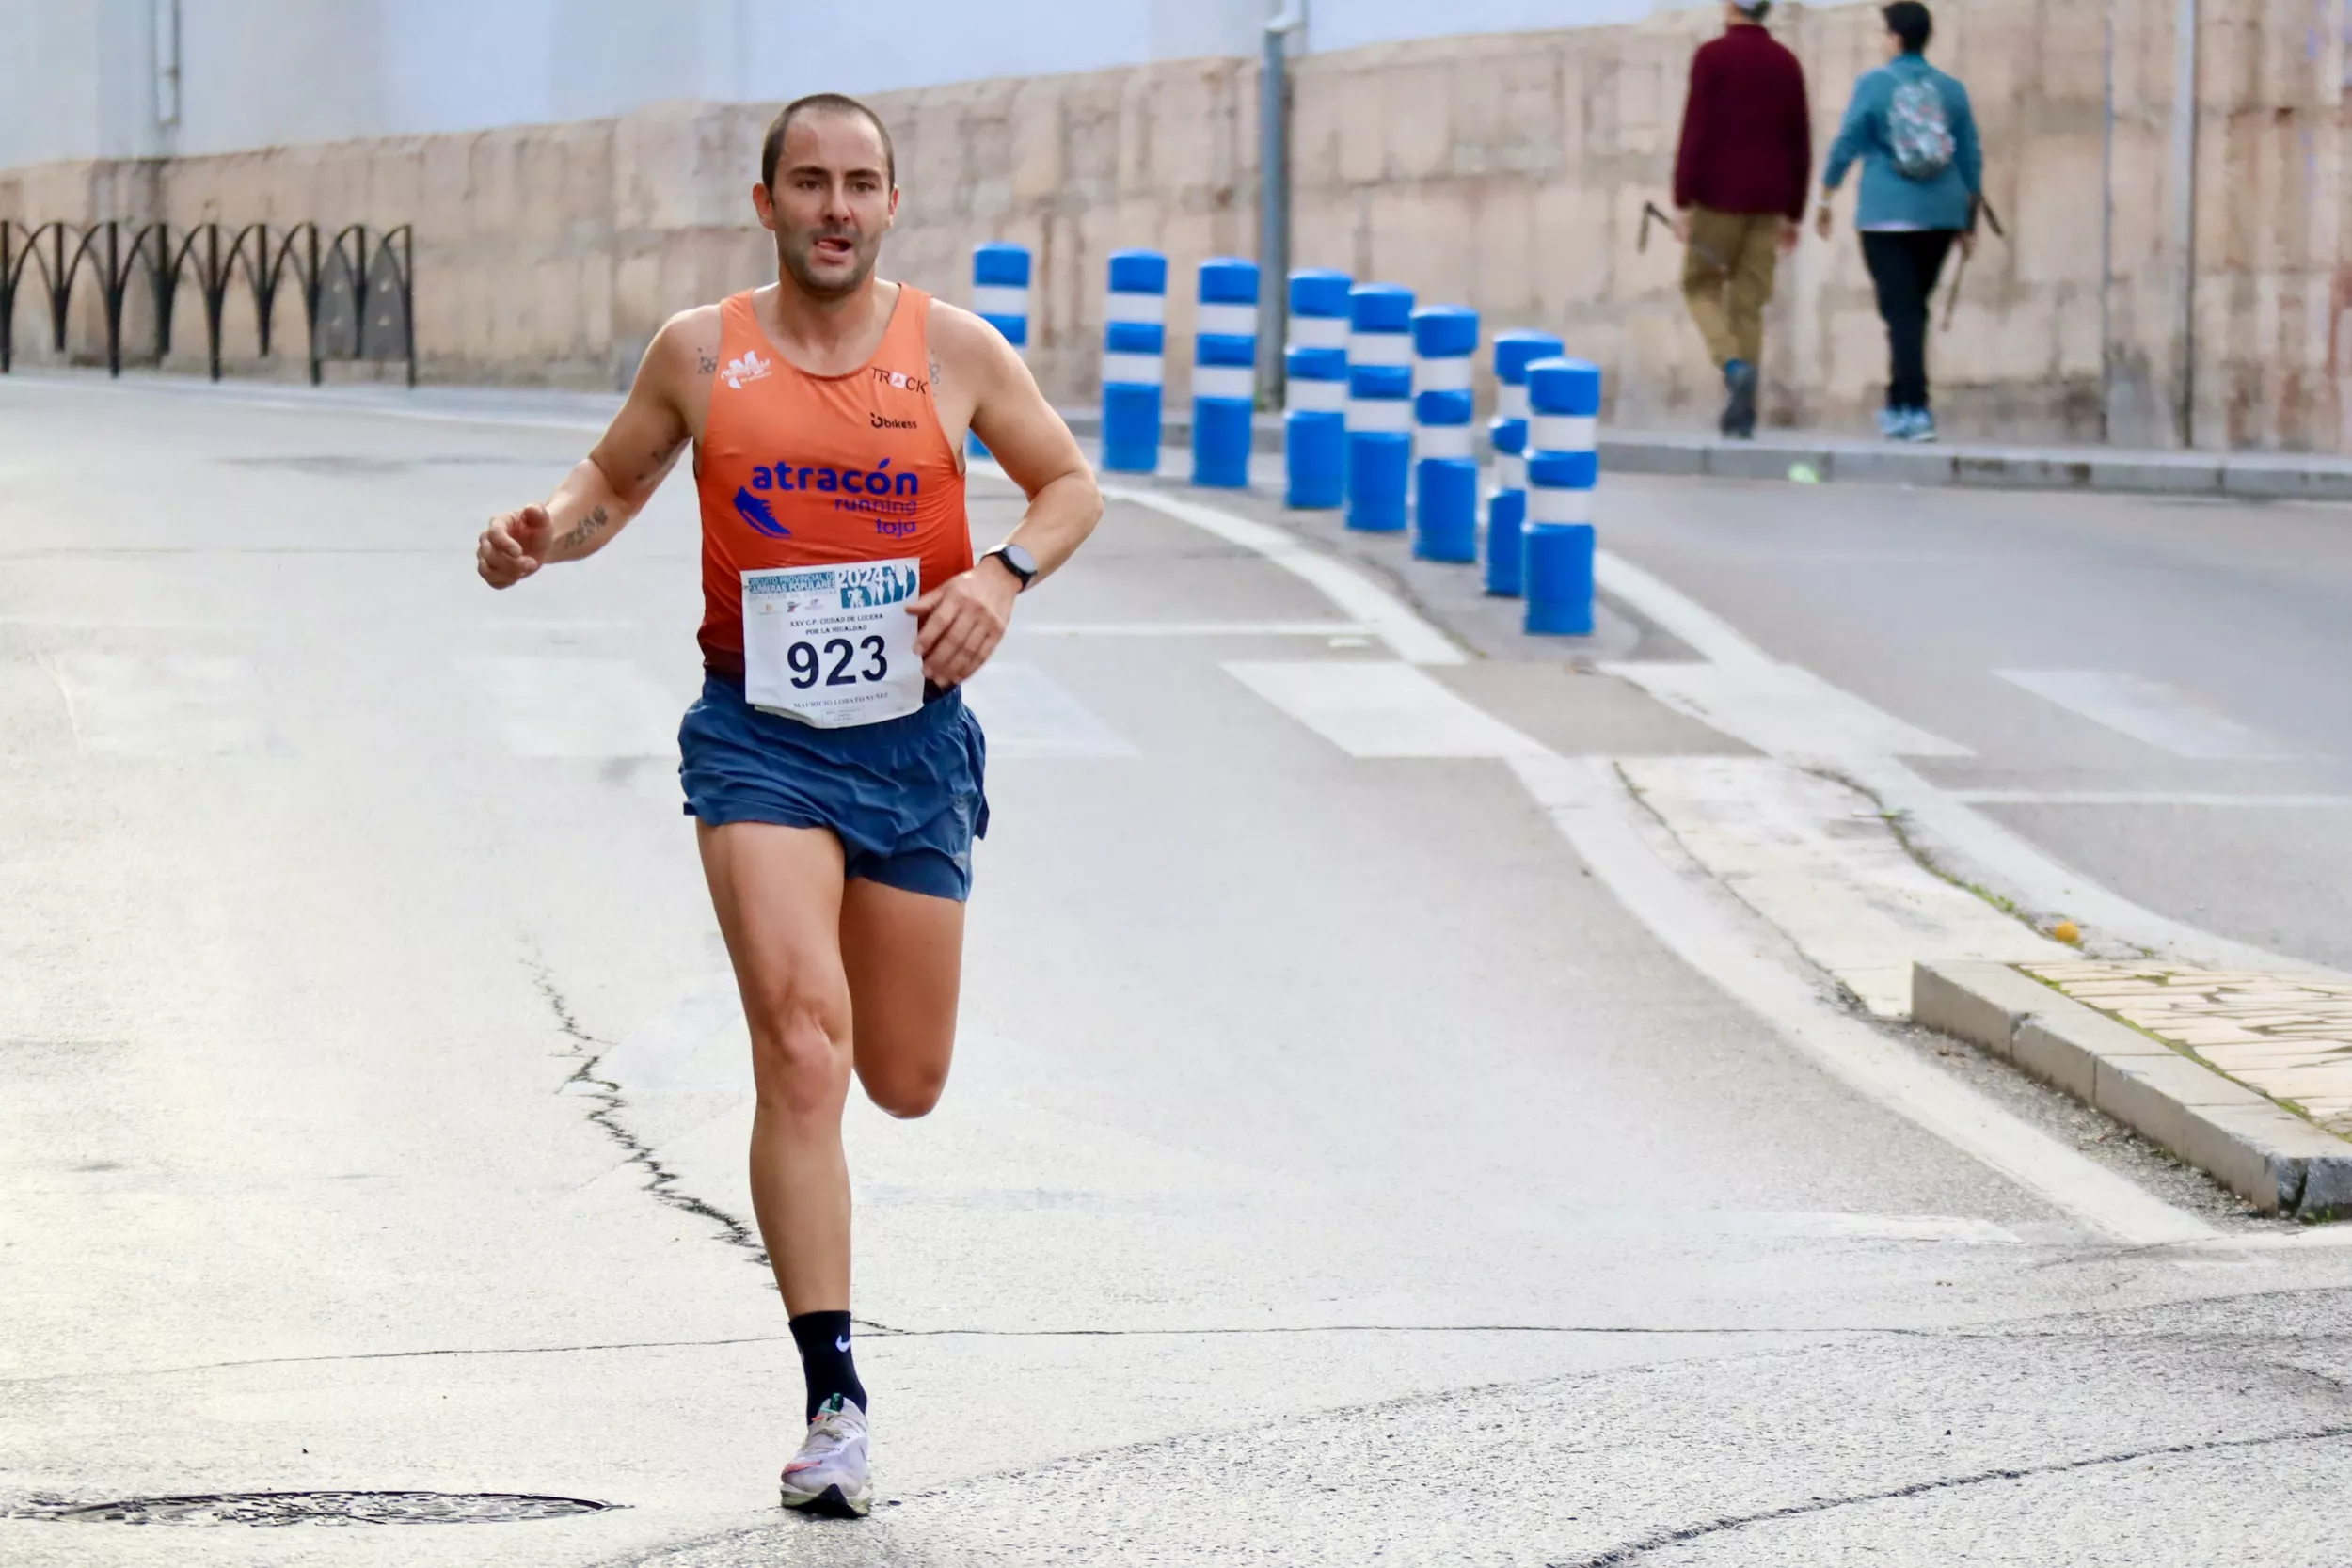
{"x":513,"y":546}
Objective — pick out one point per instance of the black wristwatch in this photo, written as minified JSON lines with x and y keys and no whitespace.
{"x":1019,"y":563}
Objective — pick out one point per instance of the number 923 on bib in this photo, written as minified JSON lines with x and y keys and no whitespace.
{"x":833,"y":646}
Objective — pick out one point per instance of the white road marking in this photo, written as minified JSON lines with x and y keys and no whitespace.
{"x":1380,"y":709}
{"x":1027,"y":713}
{"x":1813,"y":857}
{"x":163,"y":705}
{"x":2148,"y":711}
{"x":2148,"y":798}
{"x":1645,"y":868}
{"x":1731,"y":945}
{"x":1601,"y":820}
{"x":1361,"y":599}
{"x":1964,"y":840}
{"x":548,"y":707}
{"x":1667,"y":607}
{"x":1190,"y":628}
{"x":1785,"y":711}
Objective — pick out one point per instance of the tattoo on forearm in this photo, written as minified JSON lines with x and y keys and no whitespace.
{"x":586,"y":529}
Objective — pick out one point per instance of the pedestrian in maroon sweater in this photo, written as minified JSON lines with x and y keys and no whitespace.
{"x":1741,"y":180}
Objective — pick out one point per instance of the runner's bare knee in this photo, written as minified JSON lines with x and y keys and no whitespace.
{"x":800,"y":1046}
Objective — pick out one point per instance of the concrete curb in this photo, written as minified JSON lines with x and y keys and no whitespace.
{"x":2259,"y":1149}
{"x":2253,"y":476}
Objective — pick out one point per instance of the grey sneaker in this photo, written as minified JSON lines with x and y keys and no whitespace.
{"x":1922,"y":426}
{"x":828,"y":1476}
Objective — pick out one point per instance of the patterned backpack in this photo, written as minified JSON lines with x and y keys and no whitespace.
{"x":1918,"y":132}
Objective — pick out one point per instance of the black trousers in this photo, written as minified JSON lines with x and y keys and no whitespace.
{"x":1906,"y":267}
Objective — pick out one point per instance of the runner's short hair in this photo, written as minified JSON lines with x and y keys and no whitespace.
{"x":771,"y":150}
{"x":1754,"y":10}
{"x":1910,"y":22}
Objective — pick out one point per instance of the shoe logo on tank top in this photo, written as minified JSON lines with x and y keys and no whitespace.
{"x":750,"y":368}
{"x":761,"y":517}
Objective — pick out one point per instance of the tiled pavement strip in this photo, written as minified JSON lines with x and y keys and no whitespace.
{"x":2285,"y":1036}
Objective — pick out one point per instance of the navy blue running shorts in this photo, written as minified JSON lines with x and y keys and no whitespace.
{"x":905,"y":796}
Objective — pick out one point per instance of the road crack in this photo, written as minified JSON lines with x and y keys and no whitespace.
{"x":661,"y":1181}
{"x":1633,"y":1550}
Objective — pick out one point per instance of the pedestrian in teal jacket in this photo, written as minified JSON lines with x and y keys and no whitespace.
{"x":1912,"y":130}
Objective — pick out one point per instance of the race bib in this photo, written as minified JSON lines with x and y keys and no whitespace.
{"x":833,"y":646}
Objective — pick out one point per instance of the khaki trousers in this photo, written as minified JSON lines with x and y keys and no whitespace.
{"x":1727,"y":279}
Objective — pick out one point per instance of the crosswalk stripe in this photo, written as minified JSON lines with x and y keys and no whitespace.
{"x":1381,"y":708}
{"x":1027,"y":713}
{"x":2148,"y":711}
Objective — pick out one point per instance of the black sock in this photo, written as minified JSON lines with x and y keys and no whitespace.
{"x":824,"y":1341}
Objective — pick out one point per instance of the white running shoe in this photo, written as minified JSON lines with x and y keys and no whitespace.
{"x":829,"y":1475}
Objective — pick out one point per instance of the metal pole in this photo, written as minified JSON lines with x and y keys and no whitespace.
{"x":2106,"y":236}
{"x":1274,"y":200}
{"x":2185,"y":42}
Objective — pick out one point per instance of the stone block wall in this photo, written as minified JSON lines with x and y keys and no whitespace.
{"x":1507,"y":172}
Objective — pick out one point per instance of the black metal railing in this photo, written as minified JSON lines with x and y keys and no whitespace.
{"x":356,"y":289}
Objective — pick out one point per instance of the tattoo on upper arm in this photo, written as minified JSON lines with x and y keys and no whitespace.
{"x":586,"y":529}
{"x":708,"y":363}
{"x":934,"y":356}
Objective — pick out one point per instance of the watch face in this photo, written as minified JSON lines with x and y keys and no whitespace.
{"x":1020,"y":561}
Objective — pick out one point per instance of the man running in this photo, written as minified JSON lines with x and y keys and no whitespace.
{"x":832,"y":769}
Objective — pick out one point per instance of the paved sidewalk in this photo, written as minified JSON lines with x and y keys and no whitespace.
{"x":2287,"y":1035}
{"x":2238,"y":1072}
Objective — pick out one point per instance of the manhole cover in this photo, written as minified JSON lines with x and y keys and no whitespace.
{"x":330,"y":1508}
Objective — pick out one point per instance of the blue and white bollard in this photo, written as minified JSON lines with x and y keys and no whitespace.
{"x":1445,"y":466}
{"x":1380,"y":446}
{"x":1000,"y":296}
{"x":1134,"y":351}
{"x":1314,"y":420}
{"x":1379,"y":338}
{"x":1507,"y":509}
{"x":1563,"y":470}
{"x":1225,"y":373}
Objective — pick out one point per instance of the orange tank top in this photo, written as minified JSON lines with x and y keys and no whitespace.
{"x":797,"y":469}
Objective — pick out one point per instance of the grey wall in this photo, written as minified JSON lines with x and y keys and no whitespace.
{"x":79,"y":78}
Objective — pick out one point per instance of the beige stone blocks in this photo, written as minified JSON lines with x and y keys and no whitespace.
{"x":1503,"y":171}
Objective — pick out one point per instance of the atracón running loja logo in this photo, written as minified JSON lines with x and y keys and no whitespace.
{"x":825,"y":480}
{"x":888,"y":495}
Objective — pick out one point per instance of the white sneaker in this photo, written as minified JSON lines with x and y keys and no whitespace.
{"x":828,"y":1474}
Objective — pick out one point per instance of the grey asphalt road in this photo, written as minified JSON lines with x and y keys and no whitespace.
{"x":1333,"y":1172}
{"x":2157,"y":692}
